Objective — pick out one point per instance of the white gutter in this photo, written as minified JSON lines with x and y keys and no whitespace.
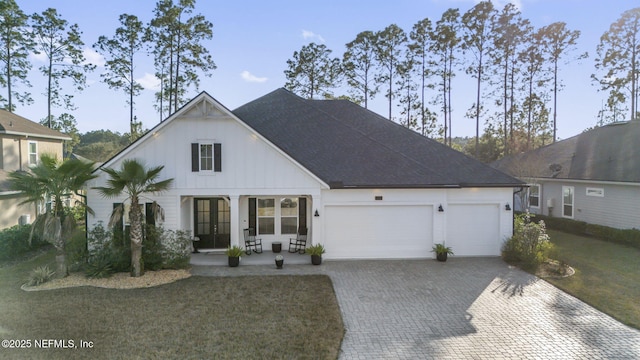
{"x":604,"y":182}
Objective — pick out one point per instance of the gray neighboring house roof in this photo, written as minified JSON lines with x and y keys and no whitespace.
{"x":607,"y":153}
{"x":12,"y":124}
{"x":346,"y":145}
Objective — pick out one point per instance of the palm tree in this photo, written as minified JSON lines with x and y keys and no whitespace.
{"x":52,"y":180}
{"x":134,"y":180}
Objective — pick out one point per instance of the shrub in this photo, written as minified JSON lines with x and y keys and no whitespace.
{"x":76,"y":250}
{"x":40,"y":275}
{"x":152,"y":248}
{"x":629,"y":237}
{"x":14,"y":242}
{"x":100,"y":266}
{"x":529,"y":246}
{"x":176,"y":249}
{"x":161,"y":249}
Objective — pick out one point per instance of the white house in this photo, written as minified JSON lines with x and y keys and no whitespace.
{"x":592,"y":177}
{"x":363,"y":186}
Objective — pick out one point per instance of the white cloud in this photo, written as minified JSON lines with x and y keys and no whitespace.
{"x":499,"y":4}
{"x":310,"y":35}
{"x":93,"y":57}
{"x":149,"y":82}
{"x":42,"y":57}
{"x":248,"y":77}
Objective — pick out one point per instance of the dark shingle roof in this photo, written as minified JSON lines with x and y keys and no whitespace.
{"x":17,"y":125}
{"x":346,"y":145}
{"x":607,"y":153}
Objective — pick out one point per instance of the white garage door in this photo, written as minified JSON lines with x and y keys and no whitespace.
{"x":473,"y":230}
{"x":378,"y":231}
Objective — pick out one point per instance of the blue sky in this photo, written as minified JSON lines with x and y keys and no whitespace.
{"x":252,"y":41}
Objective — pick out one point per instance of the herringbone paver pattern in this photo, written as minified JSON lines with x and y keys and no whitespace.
{"x":466,"y":308}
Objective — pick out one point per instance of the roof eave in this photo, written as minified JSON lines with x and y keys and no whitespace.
{"x":18,"y":133}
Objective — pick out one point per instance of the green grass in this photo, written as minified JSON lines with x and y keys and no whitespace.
{"x":251,"y":317}
{"x":607,"y":275}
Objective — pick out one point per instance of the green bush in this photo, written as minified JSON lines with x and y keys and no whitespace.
{"x":40,"y":275}
{"x":99,"y":266}
{"x":629,"y":237}
{"x":14,"y":242}
{"x":152,"y":248}
{"x":161,"y":249}
{"x":529,"y":246}
{"x":76,"y":250}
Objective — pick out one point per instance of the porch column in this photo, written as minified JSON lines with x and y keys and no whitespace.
{"x":316,"y":221}
{"x":234,"y":210}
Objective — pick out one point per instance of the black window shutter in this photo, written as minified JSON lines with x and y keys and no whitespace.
{"x":217,"y":157}
{"x":252,"y":213}
{"x":195,"y":157}
{"x":149,"y":215}
{"x":118,"y":226}
{"x":302,"y":213}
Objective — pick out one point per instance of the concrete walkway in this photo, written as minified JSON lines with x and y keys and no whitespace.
{"x":466,"y":308}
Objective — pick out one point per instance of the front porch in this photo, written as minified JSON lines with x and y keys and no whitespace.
{"x":217,"y":258}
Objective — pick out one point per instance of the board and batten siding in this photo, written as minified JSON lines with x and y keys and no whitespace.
{"x":249,"y":165}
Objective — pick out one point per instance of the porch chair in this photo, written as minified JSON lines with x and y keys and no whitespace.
{"x":251,"y":243}
{"x":299,"y":244}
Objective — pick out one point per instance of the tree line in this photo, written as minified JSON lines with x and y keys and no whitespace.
{"x":516,"y":69}
{"x":174,"y":37}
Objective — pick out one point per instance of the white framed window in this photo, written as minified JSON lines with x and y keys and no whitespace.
{"x":599,"y":192}
{"x":534,"y":195}
{"x":288,"y":215}
{"x":206,"y":157}
{"x":567,"y":201}
{"x":33,"y":153}
{"x":266,"y":216}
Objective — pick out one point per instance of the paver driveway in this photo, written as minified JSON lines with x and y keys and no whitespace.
{"x":466,"y":308}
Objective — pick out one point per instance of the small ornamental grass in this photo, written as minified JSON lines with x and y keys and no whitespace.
{"x":529,"y":246}
{"x":40,"y":275}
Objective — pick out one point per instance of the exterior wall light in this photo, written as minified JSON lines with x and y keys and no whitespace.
{"x":507,"y":207}
{"x":440,"y":209}
{"x":316,"y":214}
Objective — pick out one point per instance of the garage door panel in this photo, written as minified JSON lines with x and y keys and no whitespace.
{"x":378,"y":231}
{"x":473,"y":230}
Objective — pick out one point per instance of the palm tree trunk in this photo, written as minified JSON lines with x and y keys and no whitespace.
{"x":135,"y":219}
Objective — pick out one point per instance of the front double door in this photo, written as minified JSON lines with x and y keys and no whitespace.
{"x":212,"y":222}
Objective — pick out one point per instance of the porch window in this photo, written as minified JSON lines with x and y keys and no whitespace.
{"x":288,"y":216}
{"x":567,"y":201}
{"x":33,"y":153}
{"x":266,"y":216}
{"x":534,"y":195}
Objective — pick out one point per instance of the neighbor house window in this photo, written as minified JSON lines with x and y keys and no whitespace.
{"x":33,"y":153}
{"x":288,"y":216}
{"x":567,"y":201}
{"x":534,"y":195}
{"x":595,"y":192}
{"x":266,"y":216}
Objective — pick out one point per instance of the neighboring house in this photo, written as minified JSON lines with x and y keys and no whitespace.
{"x":592,"y":177}
{"x":22,"y":142}
{"x":363,"y":186}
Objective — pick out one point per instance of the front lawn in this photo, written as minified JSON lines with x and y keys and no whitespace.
{"x":270,"y":317}
{"x":607,"y":275}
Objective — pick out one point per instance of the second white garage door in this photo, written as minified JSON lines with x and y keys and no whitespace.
{"x":378,"y":231}
{"x":473,"y":229}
